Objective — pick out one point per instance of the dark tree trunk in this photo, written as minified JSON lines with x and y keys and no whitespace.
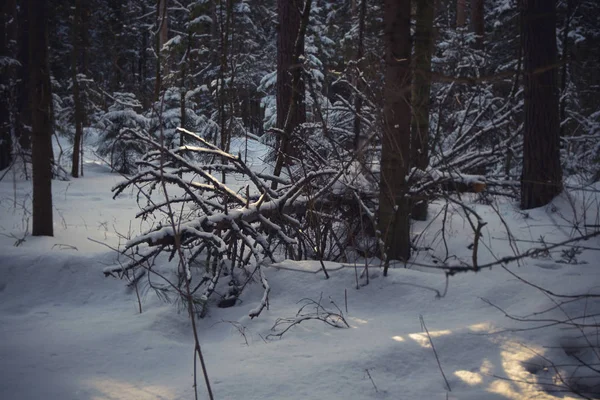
{"x":7,"y":28}
{"x":295,"y":112}
{"x":288,"y":38}
{"x":461,"y":13}
{"x":41,"y":121}
{"x":222,"y":91}
{"x":394,"y":207}
{"x":23,"y":122}
{"x":565,"y":63}
{"x":421,"y":87}
{"x":161,"y":39}
{"x":542,"y":173}
{"x":358,"y":139}
{"x":79,"y":110}
{"x":478,"y":21}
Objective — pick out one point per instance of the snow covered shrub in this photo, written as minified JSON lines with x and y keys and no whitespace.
{"x":122,"y":150}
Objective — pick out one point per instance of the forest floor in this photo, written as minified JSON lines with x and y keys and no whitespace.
{"x":67,"y":332}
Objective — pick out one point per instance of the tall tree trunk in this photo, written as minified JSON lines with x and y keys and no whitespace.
{"x":79,"y":110}
{"x":222,"y":92}
{"x":23,"y":123}
{"x":358,"y":142}
{"x":290,"y":45}
{"x":394,"y":207}
{"x":161,"y":38}
{"x":478,"y":21}
{"x":565,"y":61}
{"x":421,"y":87}
{"x":7,"y":24}
{"x":40,"y":117}
{"x":461,"y":13}
{"x":542,"y":173}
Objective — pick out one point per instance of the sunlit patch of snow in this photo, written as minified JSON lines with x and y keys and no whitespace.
{"x":423,"y":340}
{"x":112,"y":389}
{"x":481,"y":327}
{"x":470,"y":378}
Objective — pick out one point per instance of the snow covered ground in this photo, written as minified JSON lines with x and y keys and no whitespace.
{"x":67,"y":332}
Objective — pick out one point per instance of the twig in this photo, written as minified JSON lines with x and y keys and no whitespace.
{"x":371,"y":378}
{"x":424,"y":327}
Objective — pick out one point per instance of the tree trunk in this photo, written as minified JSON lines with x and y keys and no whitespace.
{"x":565,"y":63}
{"x":541,"y":180}
{"x":161,"y":38}
{"x":23,"y":123}
{"x":421,"y":87}
{"x":461,"y":13}
{"x":478,"y":22}
{"x":7,"y":23}
{"x":164,"y":22}
{"x":289,"y":39}
{"x":358,"y":139}
{"x":394,"y":207}
{"x":40,"y":117}
{"x":222,"y":92}
{"x":79,"y":111}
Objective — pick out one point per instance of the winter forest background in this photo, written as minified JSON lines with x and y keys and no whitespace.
{"x":237,"y":144}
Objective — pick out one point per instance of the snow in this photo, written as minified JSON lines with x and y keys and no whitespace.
{"x":67,"y":332}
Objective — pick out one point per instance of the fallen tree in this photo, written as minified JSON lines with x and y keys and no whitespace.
{"x":218,"y":228}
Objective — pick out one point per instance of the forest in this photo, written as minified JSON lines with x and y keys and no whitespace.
{"x":293,"y":199}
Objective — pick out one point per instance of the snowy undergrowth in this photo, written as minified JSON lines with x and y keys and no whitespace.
{"x":66,"y":332}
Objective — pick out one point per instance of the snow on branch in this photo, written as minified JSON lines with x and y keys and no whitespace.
{"x":218,"y":228}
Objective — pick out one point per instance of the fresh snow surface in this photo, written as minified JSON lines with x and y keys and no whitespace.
{"x":67,"y":332}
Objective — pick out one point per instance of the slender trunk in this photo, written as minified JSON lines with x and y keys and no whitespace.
{"x":461,"y":13}
{"x":183,"y":89}
{"x":394,"y":207}
{"x":164,"y":22}
{"x":421,"y":87}
{"x":23,"y":123}
{"x":7,"y":13}
{"x":478,"y":22}
{"x":359,"y":80}
{"x":40,"y":117}
{"x":565,"y":59}
{"x":541,"y":180}
{"x":76,"y":93}
{"x":222,"y":92}
{"x":161,"y":38}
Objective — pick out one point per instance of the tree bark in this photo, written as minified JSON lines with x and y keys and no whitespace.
{"x":358,"y":140}
{"x":79,"y":110}
{"x":461,"y":13}
{"x":478,"y":21}
{"x":421,"y":88}
{"x":23,"y":132}
{"x":565,"y":64}
{"x":222,"y":92}
{"x":295,"y":111}
{"x":541,"y":180}
{"x":290,"y":99}
{"x":161,"y":38}
{"x":7,"y":25}
{"x":40,"y":117}
{"x":394,"y":207}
